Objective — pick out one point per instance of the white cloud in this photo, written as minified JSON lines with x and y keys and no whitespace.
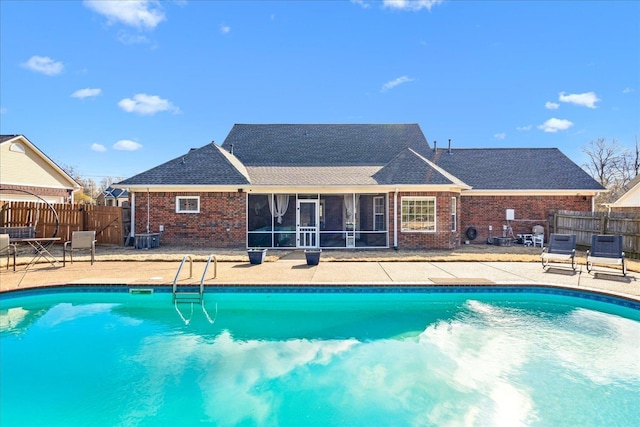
{"x":360,"y":3}
{"x":551,"y":105}
{"x":44,"y":65}
{"x":413,"y":5}
{"x":3,"y":110}
{"x":141,"y":14}
{"x":393,"y":83}
{"x":500,"y":135}
{"x":128,"y":38}
{"x":86,"y":93}
{"x":627,"y":90}
{"x":98,"y":147}
{"x":127,"y":145}
{"x":587,"y":99}
{"x":146,"y":104}
{"x":225,"y":29}
{"x":524,"y":128}
{"x":553,"y":125}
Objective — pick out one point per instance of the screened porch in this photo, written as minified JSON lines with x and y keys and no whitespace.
{"x":317,"y":220}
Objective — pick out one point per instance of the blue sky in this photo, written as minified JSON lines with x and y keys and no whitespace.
{"x":115,"y":88}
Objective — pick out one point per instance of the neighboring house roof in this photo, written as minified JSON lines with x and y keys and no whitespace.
{"x":32,"y":167}
{"x":631,"y":197}
{"x":514,"y":169}
{"x":361,"y":155}
{"x":115,"y":193}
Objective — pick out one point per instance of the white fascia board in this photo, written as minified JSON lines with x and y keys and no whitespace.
{"x":288,"y":189}
{"x":451,"y":177}
{"x":22,"y":184}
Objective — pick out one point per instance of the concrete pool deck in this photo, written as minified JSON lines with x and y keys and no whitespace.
{"x":292,"y":269}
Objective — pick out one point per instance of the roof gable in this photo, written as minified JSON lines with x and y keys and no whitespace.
{"x":322,"y":144}
{"x":206,"y":165}
{"x":408,"y":167}
{"x":32,"y":166}
{"x":631,"y":197}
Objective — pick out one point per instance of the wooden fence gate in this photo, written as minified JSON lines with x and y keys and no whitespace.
{"x":105,"y":220}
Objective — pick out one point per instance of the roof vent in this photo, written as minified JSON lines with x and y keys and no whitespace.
{"x":193,"y":149}
{"x":450,"y":146}
{"x":183,"y":161}
{"x":435,"y":145}
{"x":231,"y":148}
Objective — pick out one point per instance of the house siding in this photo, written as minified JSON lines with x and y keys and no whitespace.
{"x":482,"y":211}
{"x":221,"y":222}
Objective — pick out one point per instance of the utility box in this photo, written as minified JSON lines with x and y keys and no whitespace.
{"x":147,"y":240}
{"x":511,"y":214}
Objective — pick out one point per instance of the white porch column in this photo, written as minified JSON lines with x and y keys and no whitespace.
{"x":132,"y":232}
{"x":395,"y":219}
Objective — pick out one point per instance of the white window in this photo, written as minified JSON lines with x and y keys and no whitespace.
{"x":419,"y":214}
{"x":454,"y":224}
{"x":188,"y":204}
{"x":378,"y":214}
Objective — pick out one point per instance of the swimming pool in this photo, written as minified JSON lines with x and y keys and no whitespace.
{"x":320,"y":356}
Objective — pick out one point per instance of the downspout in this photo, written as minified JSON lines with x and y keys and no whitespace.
{"x":395,"y":220}
{"x":147,"y":210}
{"x":132,"y":232}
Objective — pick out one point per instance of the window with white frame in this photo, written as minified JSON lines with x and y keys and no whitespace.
{"x":454,"y":223}
{"x":418,"y":214}
{"x":378,"y":214}
{"x":187,"y":204}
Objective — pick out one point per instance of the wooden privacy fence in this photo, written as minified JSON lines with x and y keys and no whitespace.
{"x":105,"y":220}
{"x":585,"y":224}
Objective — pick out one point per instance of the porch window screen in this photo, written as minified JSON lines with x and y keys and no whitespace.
{"x":419,"y":214}
{"x":188,"y":204}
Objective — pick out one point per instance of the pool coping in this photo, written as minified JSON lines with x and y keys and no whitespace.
{"x":346,"y":288}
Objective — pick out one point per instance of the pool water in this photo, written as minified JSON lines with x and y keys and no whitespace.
{"x":448,"y":359}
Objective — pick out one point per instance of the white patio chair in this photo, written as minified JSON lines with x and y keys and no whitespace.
{"x":8,"y":248}
{"x":80,"y":240}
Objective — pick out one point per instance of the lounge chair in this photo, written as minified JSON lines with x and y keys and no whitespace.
{"x":8,"y":248}
{"x":80,"y":240}
{"x":607,"y":250}
{"x":562,"y":247}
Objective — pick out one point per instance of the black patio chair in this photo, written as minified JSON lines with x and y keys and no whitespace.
{"x":562,"y":247}
{"x":606,"y":250}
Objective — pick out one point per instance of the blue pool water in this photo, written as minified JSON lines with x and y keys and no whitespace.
{"x":462,"y":358}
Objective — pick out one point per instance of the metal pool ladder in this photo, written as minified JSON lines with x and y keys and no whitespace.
{"x":193,"y":297}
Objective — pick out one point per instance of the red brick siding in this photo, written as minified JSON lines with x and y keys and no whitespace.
{"x":442,"y":238}
{"x":220,"y":222}
{"x":482,"y":211}
{"x":40,"y":191}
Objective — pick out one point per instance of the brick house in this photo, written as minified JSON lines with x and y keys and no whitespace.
{"x":349,"y":186}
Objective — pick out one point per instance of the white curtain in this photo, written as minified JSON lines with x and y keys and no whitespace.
{"x":282,"y":203}
{"x":350,"y":208}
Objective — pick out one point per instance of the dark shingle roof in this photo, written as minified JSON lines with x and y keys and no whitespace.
{"x":515,"y":169}
{"x":410,"y":168}
{"x":203,"y":166}
{"x":4,"y":138}
{"x":322,"y":144}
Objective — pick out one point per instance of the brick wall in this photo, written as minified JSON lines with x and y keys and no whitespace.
{"x":219,"y":224}
{"x":443,"y":238}
{"x":40,"y":191}
{"x":482,"y":211}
